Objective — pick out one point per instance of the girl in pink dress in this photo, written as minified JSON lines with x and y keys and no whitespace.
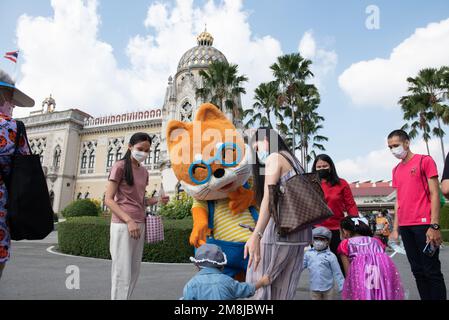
{"x":370,"y":273}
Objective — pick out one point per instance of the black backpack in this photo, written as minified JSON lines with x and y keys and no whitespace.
{"x":29,"y":211}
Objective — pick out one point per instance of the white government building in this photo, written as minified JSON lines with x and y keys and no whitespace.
{"x":77,"y":151}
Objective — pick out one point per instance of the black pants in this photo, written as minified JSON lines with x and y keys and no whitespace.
{"x":335,"y":242}
{"x":427,"y":270}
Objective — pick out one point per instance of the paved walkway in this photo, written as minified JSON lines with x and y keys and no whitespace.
{"x":34,"y":273}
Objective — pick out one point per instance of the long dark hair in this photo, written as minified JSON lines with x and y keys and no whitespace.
{"x":135,"y":139}
{"x":362,"y":228}
{"x":272,"y":137}
{"x":333,"y":177}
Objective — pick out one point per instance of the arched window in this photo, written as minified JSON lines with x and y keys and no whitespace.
{"x":149,"y":159}
{"x":88,"y":157}
{"x":84,"y":160}
{"x":115,"y":151}
{"x":186,"y":112}
{"x":110,"y":161}
{"x":91,"y":159}
{"x":79,"y":196}
{"x":52,"y":197}
{"x":57,"y":157}
{"x":86,"y":196}
{"x":157,"y":152}
{"x":118,"y":155}
{"x":38,"y":146}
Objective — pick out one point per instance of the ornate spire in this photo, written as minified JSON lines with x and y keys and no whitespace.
{"x":50,"y":103}
{"x":205,"y":38}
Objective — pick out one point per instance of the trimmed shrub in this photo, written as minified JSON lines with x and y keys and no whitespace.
{"x":98,"y":205}
{"x":445,"y":235}
{"x":81,"y":208}
{"x":177,"y":208}
{"x":444,"y":217}
{"x":89,"y":236}
{"x":175,"y":247}
{"x":84,"y":236}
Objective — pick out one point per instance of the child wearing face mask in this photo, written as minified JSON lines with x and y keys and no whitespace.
{"x":323,"y":266}
{"x":125,"y":197}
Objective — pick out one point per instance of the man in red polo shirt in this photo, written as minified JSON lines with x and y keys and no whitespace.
{"x":417,"y":215}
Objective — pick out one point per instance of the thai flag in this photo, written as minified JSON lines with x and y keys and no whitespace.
{"x":13,"y":56}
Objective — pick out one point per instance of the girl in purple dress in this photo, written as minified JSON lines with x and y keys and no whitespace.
{"x":370,"y":272}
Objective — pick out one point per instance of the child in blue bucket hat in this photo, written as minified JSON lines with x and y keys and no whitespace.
{"x":210,"y":283}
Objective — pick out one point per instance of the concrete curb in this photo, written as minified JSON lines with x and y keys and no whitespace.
{"x":52,"y":250}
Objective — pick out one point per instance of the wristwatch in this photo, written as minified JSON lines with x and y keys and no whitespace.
{"x":435,"y":226}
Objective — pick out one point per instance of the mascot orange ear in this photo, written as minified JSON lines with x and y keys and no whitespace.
{"x":209,"y":112}
{"x":175,"y":130}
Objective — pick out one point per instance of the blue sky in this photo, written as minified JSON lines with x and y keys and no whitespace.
{"x":337,"y":27}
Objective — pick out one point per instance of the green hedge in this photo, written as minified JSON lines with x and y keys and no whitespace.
{"x":179,"y":207}
{"x":445,"y":235}
{"x":81,"y":208}
{"x":84,"y":236}
{"x":89,"y":236}
{"x":444,"y":217}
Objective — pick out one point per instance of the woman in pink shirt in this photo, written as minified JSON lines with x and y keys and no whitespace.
{"x":125,"y":197}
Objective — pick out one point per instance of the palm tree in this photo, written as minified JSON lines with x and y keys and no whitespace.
{"x":266,"y":96}
{"x":223,"y":86}
{"x":415,"y":108}
{"x":310,"y":122}
{"x":427,"y":90}
{"x":290,"y":72}
{"x":313,"y":139}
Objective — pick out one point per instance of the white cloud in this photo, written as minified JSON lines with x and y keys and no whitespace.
{"x":378,"y":164}
{"x":63,"y":54}
{"x":381,"y":82}
{"x":307,"y":45}
{"x":323,"y":61}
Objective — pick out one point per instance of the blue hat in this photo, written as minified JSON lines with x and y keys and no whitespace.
{"x":209,"y":255}
{"x":19,"y":98}
{"x":322,"y":232}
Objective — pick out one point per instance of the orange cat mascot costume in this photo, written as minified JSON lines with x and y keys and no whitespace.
{"x":212,"y":163}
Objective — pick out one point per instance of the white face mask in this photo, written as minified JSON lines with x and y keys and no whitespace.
{"x":140,"y":156}
{"x":262,"y":156}
{"x":319,"y":245}
{"x":399,"y":152}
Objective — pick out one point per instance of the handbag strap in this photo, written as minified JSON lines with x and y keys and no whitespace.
{"x":294,"y":165}
{"x":21,"y":132}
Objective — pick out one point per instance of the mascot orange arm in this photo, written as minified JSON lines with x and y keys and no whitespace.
{"x":200,"y":227}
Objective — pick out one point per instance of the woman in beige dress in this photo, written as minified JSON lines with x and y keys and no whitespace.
{"x":281,"y":258}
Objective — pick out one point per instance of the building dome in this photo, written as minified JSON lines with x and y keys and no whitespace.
{"x":202,"y":55}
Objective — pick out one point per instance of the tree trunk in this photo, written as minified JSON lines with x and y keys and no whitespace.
{"x":441,"y":139}
{"x":427,"y":146}
{"x":293,"y":129}
{"x":303,"y":144}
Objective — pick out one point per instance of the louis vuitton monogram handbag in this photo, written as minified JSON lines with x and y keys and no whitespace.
{"x":298,"y":202}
